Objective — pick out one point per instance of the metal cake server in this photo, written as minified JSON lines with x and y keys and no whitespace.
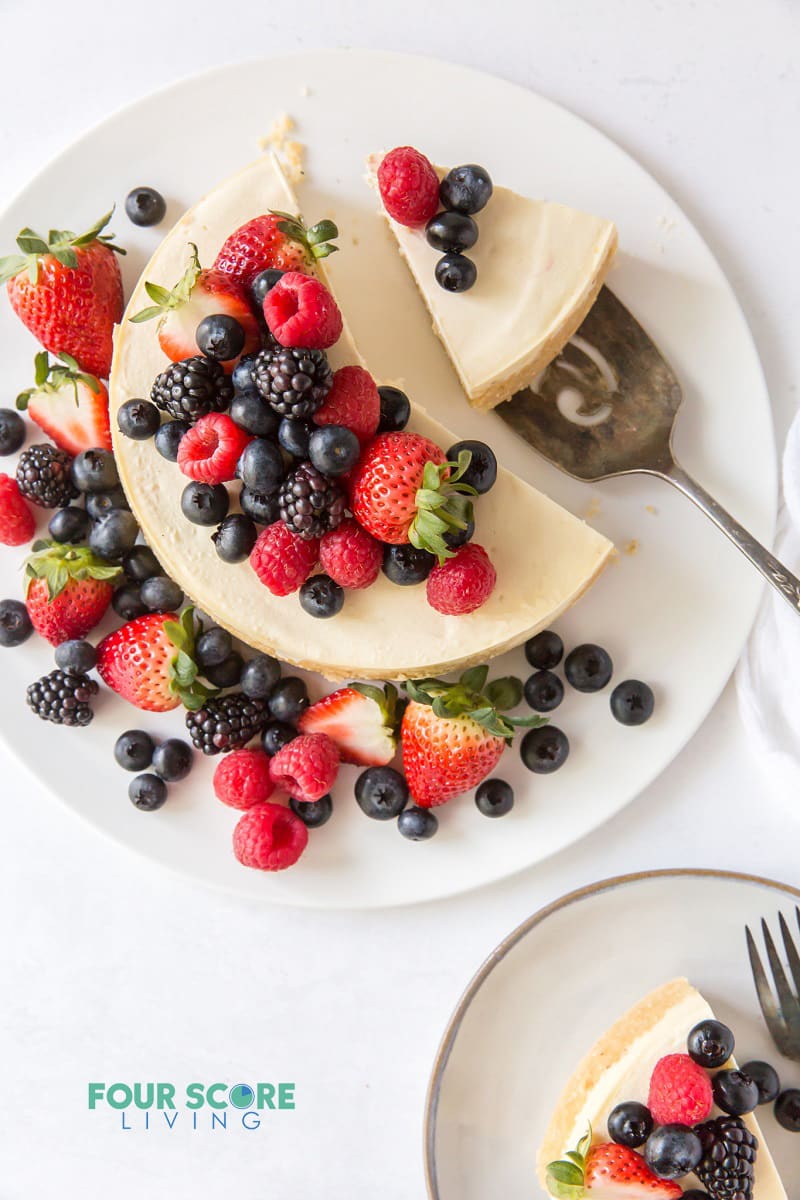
{"x":607,"y":406}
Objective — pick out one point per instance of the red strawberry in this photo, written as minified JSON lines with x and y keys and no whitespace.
{"x":351,"y":556}
{"x":353,"y":401}
{"x":210,"y":450}
{"x":282,"y":560}
{"x":196,"y":295}
{"x":463,"y":583}
{"x":301,"y":312}
{"x":275,"y":240}
{"x":17,"y":524}
{"x":68,"y":590}
{"x":409,"y":186}
{"x":150,"y":662}
{"x":68,"y":291}
{"x":610,"y":1169}
{"x":361,"y":720}
{"x":70,"y":405}
{"x":680,"y":1091}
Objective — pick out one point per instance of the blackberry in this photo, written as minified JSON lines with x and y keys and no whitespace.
{"x":293,"y":382}
{"x":310,"y":504}
{"x":726,"y":1169}
{"x":226,"y":722}
{"x":63,"y":697}
{"x":43,"y":476}
{"x":192,"y":388}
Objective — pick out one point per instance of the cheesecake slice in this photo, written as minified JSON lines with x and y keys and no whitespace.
{"x":618,"y":1068}
{"x":540,"y":267}
{"x":544,"y":557}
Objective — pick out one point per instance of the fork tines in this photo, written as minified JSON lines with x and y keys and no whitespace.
{"x":781,"y":1009}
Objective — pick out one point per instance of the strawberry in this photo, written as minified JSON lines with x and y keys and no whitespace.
{"x":70,"y":405}
{"x":404,"y":490}
{"x":196,"y":295}
{"x":276,"y":240}
{"x":68,"y":590}
{"x":150,"y":662}
{"x":607,"y":1168}
{"x":361,"y":720}
{"x":17,"y":523}
{"x":453,"y":735}
{"x":68,"y":291}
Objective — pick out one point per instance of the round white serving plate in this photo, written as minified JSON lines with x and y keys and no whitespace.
{"x":556,"y":983}
{"x":676,"y":606}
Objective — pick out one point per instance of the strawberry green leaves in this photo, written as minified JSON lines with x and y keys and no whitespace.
{"x":61,"y":244}
{"x":385,"y":698}
{"x":51,"y":377}
{"x":565,"y":1178}
{"x":167,"y":300}
{"x":473,"y":697}
{"x":58,"y":564}
{"x":316,"y":241}
{"x":184,"y":671}
{"x":443,"y":505}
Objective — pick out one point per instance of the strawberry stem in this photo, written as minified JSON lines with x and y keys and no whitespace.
{"x":566,"y":1177}
{"x":168,"y":299}
{"x":58,"y":564}
{"x":317,"y":242}
{"x":62,"y":244}
{"x":471,"y":696}
{"x":50,"y":377}
{"x":183,"y":669}
{"x":443,"y":505}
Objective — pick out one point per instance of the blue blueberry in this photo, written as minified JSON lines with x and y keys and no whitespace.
{"x":259,"y":676}
{"x":161,"y":594}
{"x":544,"y":691}
{"x":482,"y":470}
{"x":15,"y":624}
{"x":405,"y":565}
{"x":630,"y":1124}
{"x":672,"y":1151}
{"x":69,"y":525}
{"x":588,"y":668}
{"x":141,"y":564}
{"x":147,"y":792}
{"x":205,"y":503}
{"x":112,"y":537}
{"x":213,"y":647}
{"x":381,"y":793}
{"x":334,"y":449}
{"x":168,"y":438}
{"x":235,"y":538}
{"x":220,"y":337}
{"x":94,"y":471}
{"x":494,"y":798}
{"x":417,"y":824}
{"x":276,"y":735}
{"x":12,"y":431}
{"x":172,"y":760}
{"x":260,"y":466}
{"x":250,"y":411}
{"x":544,"y":650}
{"x":451,"y":231}
{"x":76,"y":655}
{"x":456,"y":273}
{"x":321,"y":597}
{"x":395,"y":409}
{"x":312,"y":813}
{"x":145,"y":206}
{"x":466,"y":189}
{"x":288,"y":699}
{"x":632,"y":702}
{"x":138,"y":419}
{"x":544,"y":750}
{"x":133,"y":750}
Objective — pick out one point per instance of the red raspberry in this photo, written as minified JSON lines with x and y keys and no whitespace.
{"x":17,"y":525}
{"x":351,"y":556}
{"x":307,"y":767}
{"x":242,"y":778}
{"x":301,"y":312}
{"x":462,"y":583}
{"x":409,"y":186}
{"x":353,"y":401}
{"x":211,"y":449}
{"x":269,"y":837}
{"x":282,"y":560}
{"x":680,"y":1091}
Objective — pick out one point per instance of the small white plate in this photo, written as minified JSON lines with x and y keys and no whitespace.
{"x":674,"y":609}
{"x":557,"y":983}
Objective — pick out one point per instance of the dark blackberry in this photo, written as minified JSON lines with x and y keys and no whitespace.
{"x":63,"y":697}
{"x":311,"y":504}
{"x":192,"y":388}
{"x":293,"y":382}
{"x":226,"y":722}
{"x":726,"y":1169}
{"x":43,"y":476}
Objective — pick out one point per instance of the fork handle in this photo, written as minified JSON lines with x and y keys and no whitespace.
{"x":773,"y":571}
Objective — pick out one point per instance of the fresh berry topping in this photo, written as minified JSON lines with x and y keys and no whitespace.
{"x":320,"y":597}
{"x":68,"y":590}
{"x":69,"y":524}
{"x":63,"y":697}
{"x":300,"y":311}
{"x":282,"y":560}
{"x":275,"y":241}
{"x":312,"y":813}
{"x":451,"y":231}
{"x":466,"y":189}
{"x":227,"y":673}
{"x":276,"y":735}
{"x":172,"y":760}
{"x":334,"y":450}
{"x":544,"y":650}
{"x":672,"y":1151}
{"x":213,"y":646}
{"x":242,"y":779}
{"x":632,"y":702}
{"x":680,"y":1091}
{"x":211,"y":449}
{"x":95,"y":471}
{"x":141,"y":564}
{"x":294,"y":382}
{"x":147,"y":792}
{"x":15,"y":624}
{"x":710,"y":1043}
{"x":138,"y":420}
{"x":766,"y":1079}
{"x":727,"y":1168}
{"x":17,"y":525}
{"x":114,"y":535}
{"x":12,"y":431}
{"x":409,"y":186}
{"x":294,"y":436}
{"x":544,"y":750}
{"x":787,"y":1109}
{"x":261,"y":508}
{"x":133,"y":750}
{"x":68,"y":404}
{"x":76,"y":655}
{"x":260,"y":466}
{"x":481,"y":474}
{"x":735,"y":1092}
{"x":462,"y":583}
{"x":191,"y":388}
{"x":235,"y":538}
{"x":252,"y":414}
{"x":381,"y":793}
{"x":395,"y":412}
{"x":406,"y":565}
{"x":588,"y":668}
{"x":310,"y":503}
{"x":168,"y":438}
{"x":456,"y":273}
{"x":259,"y":676}
{"x":630,"y":1124}
{"x":353,"y":401}
{"x":611,"y":1168}
{"x":205,"y":503}
{"x":127,"y":602}
{"x":145,"y":206}
{"x":361,"y":720}
{"x":494,"y":798}
{"x":43,"y":476}
{"x":269,"y":837}
{"x":226,"y":723}
{"x":150,"y":662}
{"x":417,"y":824}
{"x":220,"y":336}
{"x":263,"y":282}
{"x":544,"y":691}
{"x":350,"y":555}
{"x":307,"y":767}
{"x":288,"y":699}
{"x":161,"y":594}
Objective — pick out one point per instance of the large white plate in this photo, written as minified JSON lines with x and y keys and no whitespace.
{"x":676,"y":612}
{"x":556,"y":984}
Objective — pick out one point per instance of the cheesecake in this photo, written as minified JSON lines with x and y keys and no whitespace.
{"x":544,"y":557}
{"x":618,"y":1069}
{"x":539,"y":267}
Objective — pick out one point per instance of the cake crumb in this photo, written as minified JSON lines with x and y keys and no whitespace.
{"x":593,"y":509}
{"x":291,"y":154}
{"x":613,"y":556}
{"x":651,"y":508}
{"x":632,"y":547}
{"x":305,"y":90}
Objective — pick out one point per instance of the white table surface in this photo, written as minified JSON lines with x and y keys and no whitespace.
{"x":115,"y":970}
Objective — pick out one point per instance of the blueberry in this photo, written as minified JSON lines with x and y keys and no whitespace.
{"x":264,"y":510}
{"x":235,"y":538}
{"x":94,"y":471}
{"x":161,"y":594}
{"x":133,"y":750}
{"x":466,"y":189}
{"x":544,"y":750}
{"x":172,"y":760}
{"x":417,"y":824}
{"x":672,"y":1151}
{"x":588,"y":668}
{"x":544,"y":650}
{"x":787,"y":1110}
{"x":260,"y":466}
{"x":213,"y":647}
{"x":15,"y":624}
{"x":455,"y":273}
{"x":734,"y":1092}
{"x":12,"y":431}
{"x":288,"y":699}
{"x":204,"y":503}
{"x":114,"y":535}
{"x":138,"y":419}
{"x":259,"y":676}
{"x":69,"y":525}
{"x":459,"y":537}
{"x":220,"y":337}
{"x":406,"y":565}
{"x":100,"y":504}
{"x":295,"y":436}
{"x":630,"y":1124}
{"x":544,"y":691}
{"x":147,"y":792}
{"x":263,"y":283}
{"x":226,"y":674}
{"x":312,"y":813}
{"x":334,"y":449}
{"x":168,"y":438}
{"x":250,"y":412}
{"x":451,"y":231}
{"x":710,"y":1043}
{"x":482,"y":470}
{"x":494,"y":798}
{"x":395,"y":409}
{"x":242,"y":374}
{"x":276,"y":735}
{"x":765,"y":1078}
{"x":76,"y":655}
{"x":381,"y":793}
{"x":321,"y":597}
{"x":141,"y":564}
{"x":127,"y":602}
{"x":632,"y":702}
{"x":145,"y":206}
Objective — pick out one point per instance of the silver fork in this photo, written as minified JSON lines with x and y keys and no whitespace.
{"x":782,"y":1014}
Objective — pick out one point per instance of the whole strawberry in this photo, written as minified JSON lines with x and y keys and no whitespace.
{"x":276,"y":241}
{"x":68,"y":590}
{"x":70,"y":405}
{"x":17,"y":524}
{"x":150,"y":662}
{"x":605,"y":1167}
{"x":67,"y":289}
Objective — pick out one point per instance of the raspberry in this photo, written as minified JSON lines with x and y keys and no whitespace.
{"x":242,"y":779}
{"x":269,"y":837}
{"x":282,"y":560}
{"x":306,"y":768}
{"x":351,"y":556}
{"x":680,"y":1091}
{"x":353,"y":401}
{"x":17,"y":525}
{"x":409,"y":186}
{"x":301,"y":312}
{"x":462,"y":583}
{"x":210,"y":450}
